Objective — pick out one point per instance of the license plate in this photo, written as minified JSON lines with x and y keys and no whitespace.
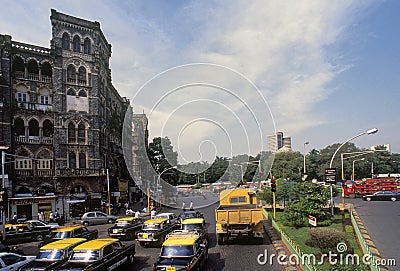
{"x":145,"y":235}
{"x":170,"y":268}
{"x":115,"y":231}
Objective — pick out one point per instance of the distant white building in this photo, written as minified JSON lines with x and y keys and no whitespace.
{"x":277,"y":141}
{"x":385,"y":146}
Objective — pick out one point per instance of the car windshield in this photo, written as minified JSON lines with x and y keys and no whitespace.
{"x":191,"y":226}
{"x":62,"y":234}
{"x":123,"y":223}
{"x":177,"y":251}
{"x":188,"y":215}
{"x":151,"y":226}
{"x":85,"y":255}
{"x":50,"y":255}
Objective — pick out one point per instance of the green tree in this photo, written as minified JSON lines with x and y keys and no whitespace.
{"x":162,"y":156}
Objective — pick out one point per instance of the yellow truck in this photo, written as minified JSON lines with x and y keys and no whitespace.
{"x":238,"y":215}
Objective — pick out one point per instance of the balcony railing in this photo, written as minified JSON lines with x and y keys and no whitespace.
{"x":35,"y":106}
{"x":32,"y":77}
{"x":34,"y":140}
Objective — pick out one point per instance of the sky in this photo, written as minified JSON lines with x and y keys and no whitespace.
{"x":217,"y":77}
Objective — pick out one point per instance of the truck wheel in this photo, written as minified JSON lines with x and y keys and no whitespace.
{"x":368,"y":199}
{"x":393,"y":199}
{"x":39,"y":237}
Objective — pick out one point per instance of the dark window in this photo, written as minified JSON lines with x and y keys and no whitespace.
{"x":33,"y":127}
{"x":82,"y":93}
{"x":87,"y":46}
{"x":81,"y":131}
{"x":77,"y":44}
{"x":82,"y":74}
{"x":71,"y":71}
{"x":72,"y":160}
{"x":82,"y":160}
{"x":65,"y":41}
{"x":46,"y":69}
{"x":71,"y":133}
{"x":18,"y":65}
{"x":48,"y":128}
{"x":33,"y":67}
{"x":71,"y":92}
{"x":19,"y":127}
{"x":11,"y":259}
{"x":107,"y":250}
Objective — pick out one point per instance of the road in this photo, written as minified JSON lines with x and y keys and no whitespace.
{"x":382,"y":220}
{"x":236,"y":256}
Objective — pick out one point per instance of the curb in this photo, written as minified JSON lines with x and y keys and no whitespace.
{"x":279,"y":246}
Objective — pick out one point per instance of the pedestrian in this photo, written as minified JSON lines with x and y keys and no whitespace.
{"x":153,"y":213}
{"x":191,"y":206}
{"x":183,"y":206}
{"x":42,"y":215}
{"x":51,"y":216}
{"x":137,"y":214}
{"x":141,"y":201}
{"x":14,"y":218}
{"x":126,"y":205}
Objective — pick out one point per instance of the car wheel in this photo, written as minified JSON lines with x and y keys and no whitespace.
{"x":110,"y":221}
{"x":39,"y":237}
{"x":393,"y":199}
{"x":368,"y":199}
{"x":85,"y":223}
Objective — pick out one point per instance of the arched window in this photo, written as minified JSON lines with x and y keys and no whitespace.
{"x":82,"y":75}
{"x":71,"y":160}
{"x":33,"y":127}
{"x":71,"y":92}
{"x":19,"y":127}
{"x":82,"y":160}
{"x":76,"y":44}
{"x":18,"y":65}
{"x":48,"y":129}
{"x":46,"y":69}
{"x":33,"y":67}
{"x":87,"y":46}
{"x":71,"y":133}
{"x":71,"y":72}
{"x":82,"y":93}
{"x":81,"y":132}
{"x":65,"y":41}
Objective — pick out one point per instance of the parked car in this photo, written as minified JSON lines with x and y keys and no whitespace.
{"x":100,"y":254}
{"x":53,"y":255}
{"x":382,"y":195}
{"x":125,"y":228}
{"x":97,"y":217}
{"x":18,"y":233}
{"x":11,"y":261}
{"x":182,"y":252}
{"x":77,"y":231}
{"x":171,"y":217}
{"x":154,"y":231}
{"x":189,"y":214}
{"x":40,"y":224}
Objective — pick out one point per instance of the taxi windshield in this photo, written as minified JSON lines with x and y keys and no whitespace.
{"x":62,"y":234}
{"x":123,"y":223}
{"x":50,"y":255}
{"x":85,"y":255}
{"x":151,"y":226}
{"x":177,"y":251}
{"x":192,"y":226}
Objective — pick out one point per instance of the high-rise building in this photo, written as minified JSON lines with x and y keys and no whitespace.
{"x":277,"y":141}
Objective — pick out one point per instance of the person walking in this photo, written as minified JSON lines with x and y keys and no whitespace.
{"x":183,"y":206}
{"x":141,"y":201}
{"x":191,"y":206}
{"x":14,"y":218}
{"x":51,"y":216}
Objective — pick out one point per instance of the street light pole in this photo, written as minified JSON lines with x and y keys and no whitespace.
{"x":304,"y":155}
{"x":158,"y":182}
{"x":369,"y":132}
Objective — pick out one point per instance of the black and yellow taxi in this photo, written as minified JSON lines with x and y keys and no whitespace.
{"x":126,"y":228}
{"x":23,"y":232}
{"x":182,"y":252}
{"x":154,"y":231}
{"x":100,"y":254}
{"x":196,"y":224}
{"x":53,"y":255}
{"x":76,"y":231}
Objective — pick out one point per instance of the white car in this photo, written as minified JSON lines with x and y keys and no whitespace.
{"x":172,"y":218}
{"x":10,"y":261}
{"x":40,"y":224}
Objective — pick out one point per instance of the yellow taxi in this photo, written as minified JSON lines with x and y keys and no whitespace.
{"x":182,"y":251}
{"x":76,"y":231}
{"x":53,"y":255}
{"x":154,"y":231}
{"x":100,"y":254}
{"x":196,"y":224}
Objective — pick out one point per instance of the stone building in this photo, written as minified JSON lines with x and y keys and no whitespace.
{"x":62,"y":118}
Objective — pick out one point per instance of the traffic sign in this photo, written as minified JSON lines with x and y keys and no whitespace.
{"x":312,"y":220}
{"x":330,"y":175}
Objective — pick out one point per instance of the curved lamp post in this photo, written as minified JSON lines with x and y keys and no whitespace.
{"x":369,"y":132}
{"x":304,"y":156}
